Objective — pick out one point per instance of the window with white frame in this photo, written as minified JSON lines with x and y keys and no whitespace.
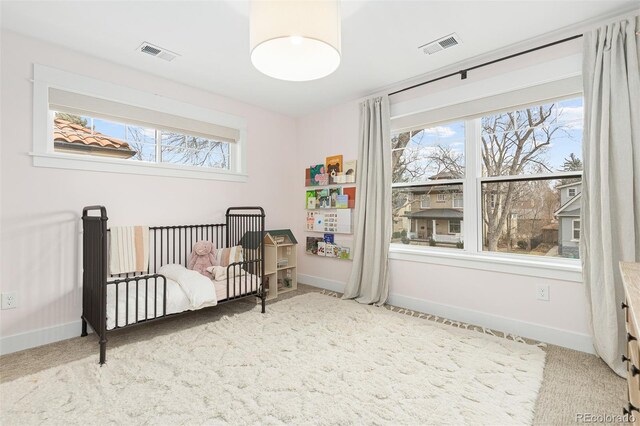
{"x":454,"y":227}
{"x":523,"y":155}
{"x":82,"y":134}
{"x":572,"y":192}
{"x":87,"y":124}
{"x":458,"y":201}
{"x":428,"y":162}
{"x":425,"y":201}
{"x":576,"y":229}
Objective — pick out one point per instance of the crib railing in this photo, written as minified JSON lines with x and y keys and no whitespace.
{"x":167,"y":245}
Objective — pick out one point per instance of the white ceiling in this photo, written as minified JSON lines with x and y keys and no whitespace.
{"x":379,"y":40}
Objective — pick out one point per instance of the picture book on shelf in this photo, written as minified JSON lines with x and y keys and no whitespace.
{"x":351,"y":193}
{"x":311,"y":199}
{"x":334,"y":166}
{"x":318,"y":174}
{"x":321,"y":248}
{"x":328,"y":238}
{"x":333,"y":193}
{"x":349,"y":169}
{"x":307,"y":177}
{"x":312,"y":244}
{"x":342,"y":202}
{"x":324,"y":198}
{"x":344,"y":252}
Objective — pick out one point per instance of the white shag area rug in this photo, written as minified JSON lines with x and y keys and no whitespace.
{"x":311,"y":359}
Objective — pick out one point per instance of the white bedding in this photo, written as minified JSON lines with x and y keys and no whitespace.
{"x":187,"y":292}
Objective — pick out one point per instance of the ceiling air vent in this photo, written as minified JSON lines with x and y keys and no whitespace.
{"x":441,"y":44}
{"x":157,"y":51}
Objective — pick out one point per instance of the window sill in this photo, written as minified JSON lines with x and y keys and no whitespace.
{"x":559,"y":269}
{"x":95,"y":164}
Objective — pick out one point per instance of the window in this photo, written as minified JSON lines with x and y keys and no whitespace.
{"x":526,"y":156}
{"x":76,"y":134}
{"x":87,"y":124}
{"x":458,"y":201}
{"x":429,"y":163}
{"x":576,"y":230}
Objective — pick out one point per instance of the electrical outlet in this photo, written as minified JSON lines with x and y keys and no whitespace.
{"x":9,"y":300}
{"x":542,"y":292}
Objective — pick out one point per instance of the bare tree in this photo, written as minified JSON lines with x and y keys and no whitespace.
{"x":178,"y":148}
{"x":512,"y":143}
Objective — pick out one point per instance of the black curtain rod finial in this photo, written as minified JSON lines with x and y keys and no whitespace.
{"x":463,"y":75}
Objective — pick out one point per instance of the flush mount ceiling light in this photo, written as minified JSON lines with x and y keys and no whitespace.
{"x":295,"y":40}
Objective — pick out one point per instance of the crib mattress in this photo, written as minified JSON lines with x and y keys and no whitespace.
{"x":177,"y":299}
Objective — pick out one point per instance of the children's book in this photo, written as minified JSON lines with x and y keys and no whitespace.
{"x":351,"y":193}
{"x":334,"y":193}
{"x":328,"y":238}
{"x":312,"y":244}
{"x":316,"y":173}
{"x":321,"y":248}
{"x":342,"y":202}
{"x":307,"y":177}
{"x":330,"y":250}
{"x":324,"y":199}
{"x":334,"y":166}
{"x":311,"y":199}
{"x":349,"y":169}
{"x":344,"y":252}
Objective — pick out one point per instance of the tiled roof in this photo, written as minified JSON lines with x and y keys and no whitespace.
{"x":66,"y":131}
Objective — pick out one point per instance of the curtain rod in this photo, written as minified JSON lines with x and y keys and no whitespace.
{"x":463,"y":72}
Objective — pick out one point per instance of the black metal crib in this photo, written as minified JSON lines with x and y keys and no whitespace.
{"x":167,"y":245}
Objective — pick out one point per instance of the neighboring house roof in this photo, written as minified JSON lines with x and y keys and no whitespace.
{"x":68,"y":136}
{"x":566,"y":185}
{"x":436,"y":214}
{"x":564,"y":211}
{"x":445,"y":174}
{"x":570,"y":213}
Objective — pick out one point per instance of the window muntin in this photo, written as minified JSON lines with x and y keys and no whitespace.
{"x":576,"y":229}
{"x":144,"y":144}
{"x":458,"y":201}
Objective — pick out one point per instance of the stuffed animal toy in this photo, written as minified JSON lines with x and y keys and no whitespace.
{"x":202,"y":257}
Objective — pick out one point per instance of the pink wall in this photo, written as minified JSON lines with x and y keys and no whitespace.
{"x":504,"y":301}
{"x":41,"y":206}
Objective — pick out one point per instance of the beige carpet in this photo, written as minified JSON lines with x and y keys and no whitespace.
{"x":313,"y":358}
{"x":573,"y":382}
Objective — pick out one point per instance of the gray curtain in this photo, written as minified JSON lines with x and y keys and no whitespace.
{"x":610,"y":228}
{"x":369,"y":278}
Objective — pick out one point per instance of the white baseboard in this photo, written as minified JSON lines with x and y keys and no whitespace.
{"x":568,"y":339}
{"x":43,"y":336}
{"x":555,"y":336}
